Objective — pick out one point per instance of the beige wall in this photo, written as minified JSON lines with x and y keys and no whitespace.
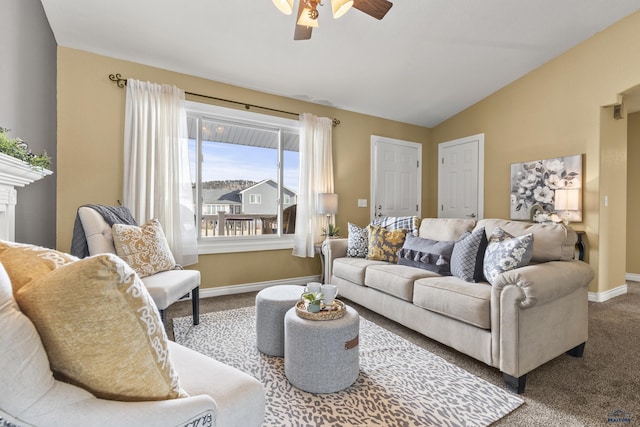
{"x":90,"y":129}
{"x":556,"y":111}
{"x":633,"y":193}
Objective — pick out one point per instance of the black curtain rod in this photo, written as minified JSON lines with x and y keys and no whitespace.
{"x":120,"y":82}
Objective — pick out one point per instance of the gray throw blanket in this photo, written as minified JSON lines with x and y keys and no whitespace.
{"x":111,"y":214}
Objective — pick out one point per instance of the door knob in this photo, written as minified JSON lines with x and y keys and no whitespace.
{"x":472,"y":215}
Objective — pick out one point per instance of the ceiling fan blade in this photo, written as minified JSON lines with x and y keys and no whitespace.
{"x":375,"y":8}
{"x":302,"y":32}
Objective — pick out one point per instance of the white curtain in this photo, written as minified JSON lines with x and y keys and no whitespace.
{"x":157,"y":181}
{"x":316,"y":176}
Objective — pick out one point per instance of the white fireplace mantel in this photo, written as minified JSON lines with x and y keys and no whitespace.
{"x":14,"y":173}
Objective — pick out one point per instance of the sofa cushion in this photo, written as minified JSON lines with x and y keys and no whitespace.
{"x":445,"y":228}
{"x":353,"y":269}
{"x":384,"y":244}
{"x":396,"y":280}
{"x":24,"y":367}
{"x":455,"y":298}
{"x":357,"y":241}
{"x":118,"y":348}
{"x":144,"y":248}
{"x":409,"y":223}
{"x":467,"y":257}
{"x":427,"y":254}
{"x":25,"y":263}
{"x":551,"y":242}
{"x":506,"y":252}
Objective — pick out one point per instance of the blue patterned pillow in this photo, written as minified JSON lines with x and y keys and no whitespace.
{"x":468,"y":256}
{"x":410,"y":223}
{"x":358,"y":241}
{"x":506,"y":252}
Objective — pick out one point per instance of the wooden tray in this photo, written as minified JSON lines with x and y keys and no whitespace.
{"x":336,"y":311}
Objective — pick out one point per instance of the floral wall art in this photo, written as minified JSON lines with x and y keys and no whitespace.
{"x":534,"y":183}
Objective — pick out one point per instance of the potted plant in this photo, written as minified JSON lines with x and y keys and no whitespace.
{"x":331,"y":231}
{"x":17,"y":148}
{"x":312,"y":301}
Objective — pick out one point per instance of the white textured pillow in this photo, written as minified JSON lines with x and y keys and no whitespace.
{"x":144,"y":248}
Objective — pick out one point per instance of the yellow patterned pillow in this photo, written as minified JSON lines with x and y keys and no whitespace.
{"x":144,"y":248}
{"x":101,"y":330}
{"x":25,"y":263}
{"x":384,"y":244}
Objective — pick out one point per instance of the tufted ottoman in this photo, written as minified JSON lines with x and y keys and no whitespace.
{"x":321,"y":356}
{"x":271,"y":305}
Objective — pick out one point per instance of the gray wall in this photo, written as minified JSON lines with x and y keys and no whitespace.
{"x":28,"y":108}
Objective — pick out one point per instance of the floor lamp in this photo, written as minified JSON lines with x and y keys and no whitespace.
{"x":327,"y":205}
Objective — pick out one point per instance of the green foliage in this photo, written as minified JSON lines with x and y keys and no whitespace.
{"x":313,"y":297}
{"x":15,"y":147}
{"x":333,"y":231}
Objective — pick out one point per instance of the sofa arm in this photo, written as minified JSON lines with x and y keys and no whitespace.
{"x":544,"y":282}
{"x":332,"y":249}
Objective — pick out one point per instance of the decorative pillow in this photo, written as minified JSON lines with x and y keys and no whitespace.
{"x":506,"y":252}
{"x":384,"y":244}
{"x":468,"y":256}
{"x":410,"y":223}
{"x":144,"y":248}
{"x":25,"y":263}
{"x":428,"y":254}
{"x":101,"y":330}
{"x":358,"y":241}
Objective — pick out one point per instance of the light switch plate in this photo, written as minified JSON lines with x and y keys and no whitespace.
{"x":362,"y":203}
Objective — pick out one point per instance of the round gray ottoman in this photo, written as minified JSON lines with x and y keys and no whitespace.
{"x":321,"y":356}
{"x":271,"y":305}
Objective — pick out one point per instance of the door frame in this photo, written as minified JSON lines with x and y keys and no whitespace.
{"x":374,"y":140}
{"x":479,"y":138}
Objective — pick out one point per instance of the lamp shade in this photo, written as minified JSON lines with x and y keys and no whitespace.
{"x":340,"y":7}
{"x":567,"y":199}
{"x":285,"y":6}
{"x":327,"y":203}
{"x":305,"y":19}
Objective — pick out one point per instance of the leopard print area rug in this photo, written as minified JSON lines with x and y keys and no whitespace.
{"x":400,"y":384}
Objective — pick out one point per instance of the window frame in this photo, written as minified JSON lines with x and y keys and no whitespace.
{"x":230,"y":244}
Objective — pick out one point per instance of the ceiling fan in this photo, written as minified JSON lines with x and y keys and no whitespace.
{"x":308,"y":12}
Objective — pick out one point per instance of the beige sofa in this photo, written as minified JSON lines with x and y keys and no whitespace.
{"x":529,"y":315}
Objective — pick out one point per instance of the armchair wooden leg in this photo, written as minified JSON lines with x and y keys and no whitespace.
{"x":516,"y":385}
{"x":195,"y":305}
{"x":163,"y":316}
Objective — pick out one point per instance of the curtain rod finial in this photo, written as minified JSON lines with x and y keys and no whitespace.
{"x":117,"y":78}
{"x":335,"y":122}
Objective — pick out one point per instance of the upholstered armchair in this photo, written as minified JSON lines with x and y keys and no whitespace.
{"x":165,"y":287}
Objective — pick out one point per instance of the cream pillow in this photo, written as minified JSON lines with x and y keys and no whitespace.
{"x":25,"y":263}
{"x":101,"y":330}
{"x":144,"y":248}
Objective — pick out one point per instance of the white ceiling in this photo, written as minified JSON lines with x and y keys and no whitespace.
{"x":424,"y":62}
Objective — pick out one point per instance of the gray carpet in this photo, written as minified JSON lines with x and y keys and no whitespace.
{"x":399,"y":383}
{"x":564,"y":392}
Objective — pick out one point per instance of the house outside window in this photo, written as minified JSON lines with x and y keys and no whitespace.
{"x":245,"y":178}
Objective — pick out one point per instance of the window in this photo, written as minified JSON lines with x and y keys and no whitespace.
{"x":245,"y":175}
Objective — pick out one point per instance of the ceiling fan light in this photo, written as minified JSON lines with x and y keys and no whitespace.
{"x":306,"y":20}
{"x":284,"y":6}
{"x":340,"y":7}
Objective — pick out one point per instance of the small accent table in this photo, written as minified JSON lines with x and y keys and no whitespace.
{"x":322,"y":356}
{"x":581,"y":244}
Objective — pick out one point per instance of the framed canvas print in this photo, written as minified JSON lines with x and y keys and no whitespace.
{"x":551,"y":186}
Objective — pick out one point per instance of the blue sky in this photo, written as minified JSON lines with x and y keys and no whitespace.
{"x":233,"y":161}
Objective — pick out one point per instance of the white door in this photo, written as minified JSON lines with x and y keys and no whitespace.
{"x":395,"y":177}
{"x":461,"y":178}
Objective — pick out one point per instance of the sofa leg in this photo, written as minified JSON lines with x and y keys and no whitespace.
{"x":195,"y":305}
{"x":516,"y":385}
{"x":577,"y":351}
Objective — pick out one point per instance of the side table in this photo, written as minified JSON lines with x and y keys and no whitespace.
{"x":322,"y":356}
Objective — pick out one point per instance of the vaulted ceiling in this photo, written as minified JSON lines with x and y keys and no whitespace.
{"x":424,"y":62}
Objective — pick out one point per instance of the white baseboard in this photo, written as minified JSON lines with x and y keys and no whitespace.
{"x":607,"y":295}
{"x":631,"y":277}
{"x":252,"y":287}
